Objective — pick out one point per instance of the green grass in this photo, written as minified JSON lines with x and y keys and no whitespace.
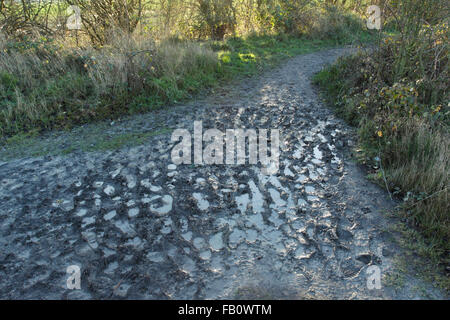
{"x":246,"y":56}
{"x":406,"y":149}
{"x":68,"y":98}
{"x":119,"y":141}
{"x":89,"y":138}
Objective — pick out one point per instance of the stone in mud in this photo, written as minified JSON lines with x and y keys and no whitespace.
{"x":202,"y":203}
{"x":252,"y":236}
{"x":81,"y":212}
{"x":109,"y":190}
{"x":133,"y":212}
{"x":164,"y":208}
{"x":125,"y":227}
{"x":98,"y":184}
{"x":87,"y":221}
{"x":199,"y":243}
{"x":136,"y":243}
{"x":236,"y":237}
{"x":205,"y":255}
{"x":187,"y":236}
{"x":67,"y":205}
{"x":110,"y":215}
{"x":302,"y":252}
{"x":188,"y":266}
{"x":155,"y":257}
{"x":131,"y":181}
{"x":216,"y":241}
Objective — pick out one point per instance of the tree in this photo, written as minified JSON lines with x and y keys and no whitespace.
{"x":24,"y":17}
{"x":219,"y":16}
{"x":99,"y":17}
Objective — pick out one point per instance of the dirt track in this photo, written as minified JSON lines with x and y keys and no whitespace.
{"x":141,"y":228}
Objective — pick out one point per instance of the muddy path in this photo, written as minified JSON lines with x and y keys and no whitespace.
{"x":140,"y":227}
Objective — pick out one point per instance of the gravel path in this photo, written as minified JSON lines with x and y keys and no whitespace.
{"x":140,"y":227}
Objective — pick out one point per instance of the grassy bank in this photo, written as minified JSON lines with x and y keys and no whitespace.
{"x":46,"y":84}
{"x":400,"y":104}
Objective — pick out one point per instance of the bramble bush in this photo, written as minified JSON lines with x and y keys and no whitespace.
{"x":398,"y":95}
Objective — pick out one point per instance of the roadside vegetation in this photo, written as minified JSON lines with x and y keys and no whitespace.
{"x":398,"y":96}
{"x":126,"y":60}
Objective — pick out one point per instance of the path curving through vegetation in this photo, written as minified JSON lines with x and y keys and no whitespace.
{"x":142,"y":228}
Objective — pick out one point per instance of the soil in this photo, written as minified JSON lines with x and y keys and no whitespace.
{"x":140,"y":227}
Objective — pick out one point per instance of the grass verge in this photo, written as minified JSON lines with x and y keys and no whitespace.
{"x":45,"y":86}
{"x":403,"y":128}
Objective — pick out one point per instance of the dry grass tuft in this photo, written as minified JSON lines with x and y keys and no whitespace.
{"x":49,"y":84}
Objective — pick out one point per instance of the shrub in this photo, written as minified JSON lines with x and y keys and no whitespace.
{"x":403,"y":122}
{"x":216,"y":17}
{"x":335,"y":24}
{"x":50,"y":86}
{"x":8,"y":84}
{"x":101,"y":18}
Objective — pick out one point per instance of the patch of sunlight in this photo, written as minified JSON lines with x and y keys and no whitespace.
{"x":224,"y":57}
{"x":247,"y":57}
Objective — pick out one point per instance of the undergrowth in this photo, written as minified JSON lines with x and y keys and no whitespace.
{"x":400,"y":104}
{"x":47,"y":84}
